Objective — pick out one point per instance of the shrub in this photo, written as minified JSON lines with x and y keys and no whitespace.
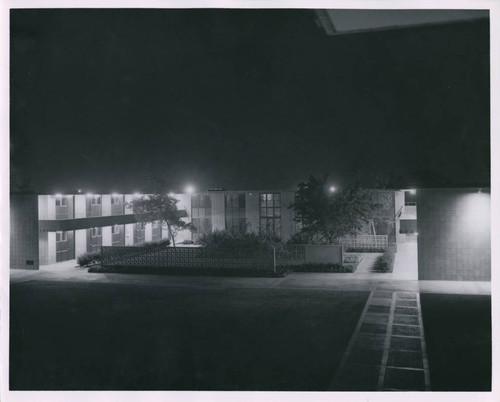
{"x":87,"y":259}
{"x":162,"y":242}
{"x":336,"y":268}
{"x":223,"y":239}
{"x":385,"y":263}
{"x":351,"y":258}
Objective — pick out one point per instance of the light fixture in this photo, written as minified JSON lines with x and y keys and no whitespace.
{"x":332,"y":189}
{"x":58,"y":195}
{"x":79,"y":190}
{"x":189,"y":189}
{"x":412,"y":191}
{"x":89,"y":194}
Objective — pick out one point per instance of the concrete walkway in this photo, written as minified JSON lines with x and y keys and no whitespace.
{"x":68,"y":271}
{"x":406,"y":262}
{"x":387,"y":351}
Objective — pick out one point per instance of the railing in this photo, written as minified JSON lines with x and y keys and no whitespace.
{"x":365,"y":242}
{"x":162,"y":256}
{"x":187,"y":257}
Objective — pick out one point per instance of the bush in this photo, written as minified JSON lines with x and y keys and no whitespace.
{"x":385,"y":263}
{"x":335,"y":268}
{"x":162,"y":242}
{"x":223,"y":239}
{"x":352,"y":258}
{"x":87,"y":259}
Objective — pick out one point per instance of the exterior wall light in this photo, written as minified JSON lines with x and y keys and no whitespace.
{"x":332,"y":189}
{"x":412,"y":191}
{"x":89,"y":194}
{"x":189,"y":189}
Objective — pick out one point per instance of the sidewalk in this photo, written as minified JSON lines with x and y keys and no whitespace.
{"x":68,"y":271}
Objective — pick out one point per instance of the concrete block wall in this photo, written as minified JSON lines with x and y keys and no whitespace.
{"x":80,"y":206}
{"x":80,"y":242}
{"x":106,"y":204}
{"x":106,"y":236}
{"x":148,"y":232}
{"x":129,"y":234}
{"x":454,"y":238}
{"x":24,"y":232}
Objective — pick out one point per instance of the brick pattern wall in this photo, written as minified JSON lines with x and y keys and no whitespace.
{"x":454,"y":240}
{"x":24,"y":232}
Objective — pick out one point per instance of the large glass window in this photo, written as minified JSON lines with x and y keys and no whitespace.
{"x":235,"y":212}
{"x":270,"y":213}
{"x":96,"y":200}
{"x":201,"y":214}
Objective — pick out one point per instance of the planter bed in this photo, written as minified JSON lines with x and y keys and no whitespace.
{"x":245,"y":272}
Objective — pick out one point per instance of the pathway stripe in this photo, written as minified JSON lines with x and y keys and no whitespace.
{"x":399,"y":363}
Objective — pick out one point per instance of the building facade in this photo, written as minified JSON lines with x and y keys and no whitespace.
{"x":46,"y":229}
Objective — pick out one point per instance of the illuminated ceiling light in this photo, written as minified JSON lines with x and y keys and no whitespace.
{"x":79,"y":190}
{"x":89,"y":194}
{"x":58,"y":195}
{"x":137,"y":194}
{"x":332,"y":189}
{"x":412,"y":191}
{"x":114,"y":194}
{"x":189,"y":189}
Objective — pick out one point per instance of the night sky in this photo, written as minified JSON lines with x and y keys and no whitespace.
{"x":241,"y":99}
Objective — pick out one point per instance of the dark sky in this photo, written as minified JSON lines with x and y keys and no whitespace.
{"x":241,"y":99}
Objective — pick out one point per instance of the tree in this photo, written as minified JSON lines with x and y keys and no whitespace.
{"x":326,"y":216}
{"x":159,"y":207}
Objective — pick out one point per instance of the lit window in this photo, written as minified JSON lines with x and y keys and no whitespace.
{"x":270,"y":214}
{"x":235,"y":212}
{"x":96,"y":200}
{"x":115,"y":199}
{"x":96,"y":232}
{"x":115,"y":229}
{"x":201,"y":213}
{"x":61,"y":201}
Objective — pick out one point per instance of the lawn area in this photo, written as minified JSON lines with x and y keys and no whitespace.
{"x":458,"y":336}
{"x":109,"y":336}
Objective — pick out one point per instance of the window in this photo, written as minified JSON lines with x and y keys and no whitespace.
{"x":115,"y":229}
{"x":270,"y":213}
{"x":61,"y":201}
{"x":96,"y":232}
{"x":201,"y":213}
{"x":96,"y":200}
{"x":115,"y":199}
{"x":235,"y":212}
{"x":61,"y":236}
{"x":139,"y":225}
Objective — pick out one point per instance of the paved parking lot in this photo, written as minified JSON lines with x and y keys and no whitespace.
{"x":75,"y":330}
